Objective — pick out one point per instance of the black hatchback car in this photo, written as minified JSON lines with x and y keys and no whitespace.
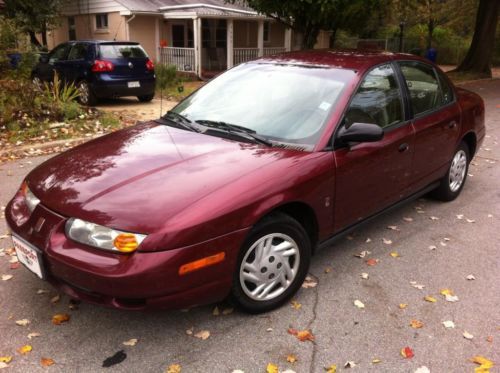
{"x":100,"y":69}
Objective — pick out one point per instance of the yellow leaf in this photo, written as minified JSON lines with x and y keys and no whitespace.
{"x":305,"y":335}
{"x":296,"y":304}
{"x":5,"y":359}
{"x":416,"y":324}
{"x":59,"y":318}
{"x":446,"y":292}
{"x":428,"y":298}
{"x":331,"y":369}
{"x":131,"y":342}
{"x":291,"y":358}
{"x":376,"y":361}
{"x":271,"y":368}
{"x":25,"y":349}
{"x":394,"y":254}
{"x":46,"y":362}
{"x":403,"y":305}
{"x":173,"y":368}
{"x":482,"y":361}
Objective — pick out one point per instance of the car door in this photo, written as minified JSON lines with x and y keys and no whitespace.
{"x":56,"y":59}
{"x":436,"y":119}
{"x":77,"y":65}
{"x":373,"y":175}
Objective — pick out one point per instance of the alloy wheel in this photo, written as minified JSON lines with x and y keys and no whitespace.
{"x":457,"y":170}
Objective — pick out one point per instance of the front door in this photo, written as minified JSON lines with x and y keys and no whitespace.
{"x":373,"y":175}
{"x":178,"y":36}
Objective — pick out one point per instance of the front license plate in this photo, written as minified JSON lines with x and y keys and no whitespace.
{"x":29,"y":256}
{"x":134,"y":84}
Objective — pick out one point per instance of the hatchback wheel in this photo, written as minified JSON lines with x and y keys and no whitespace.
{"x":452,"y":183}
{"x":272,"y":264}
{"x":85,"y":95}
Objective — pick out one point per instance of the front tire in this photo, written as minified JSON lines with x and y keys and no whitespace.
{"x":453,"y":182}
{"x":272,"y":264}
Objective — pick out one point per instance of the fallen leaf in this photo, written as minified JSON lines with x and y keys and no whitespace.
{"x":350,"y":238}
{"x":446,"y":239}
{"x":190,"y":331}
{"x":227,"y":311}
{"x":372,"y":262}
{"x":460,"y":216}
{"x":451,"y":298}
{"x":33,"y":335}
{"x":364,"y":276}
{"x":416,"y":324}
{"x":489,"y":339}
{"x":449,"y":324}
{"x":25,"y":349}
{"x":368,"y":240}
{"x":328,"y":269}
{"x":387,"y":241}
{"x":363,"y":254}
{"x":432,"y":247}
{"x":237,"y":371}
{"x":46,"y":362}
{"x":470,"y":221}
{"x":350,"y":364}
{"x":423,"y":369}
{"x":42,"y":291}
{"x":403,"y":305}
{"x":115,"y":359}
{"x":6,"y":277}
{"x":407,"y":352}
{"x":55,"y":299}
{"x":484,"y":363}
{"x":394,"y":254}
{"x":393,"y":227}
{"x":131,"y":342}
{"x":433,"y":218}
{"x":296,"y":305}
{"x":5,"y":359}
{"x":22,"y":322}
{"x":59,"y":318}
{"x":417,"y":285}
{"x":271,"y":368}
{"x":408,"y":219}
{"x":269,"y":330}
{"x":176,"y":368}
{"x":470,"y":277}
{"x":428,"y":298}
{"x":302,"y":335}
{"x":442,"y":243}
{"x":3,"y":365}
{"x":216,"y":311}
{"x":309,"y":282}
{"x":359,"y":304}
{"x":202,"y":334}
{"x":376,"y":361}
{"x":331,"y":369}
{"x":291,"y":358}
{"x":467,"y":335}
{"x":446,"y":292}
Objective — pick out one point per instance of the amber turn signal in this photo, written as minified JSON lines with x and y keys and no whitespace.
{"x":202,"y":263}
{"x":126,"y":242}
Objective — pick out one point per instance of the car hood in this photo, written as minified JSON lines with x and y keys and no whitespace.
{"x":136,"y":178}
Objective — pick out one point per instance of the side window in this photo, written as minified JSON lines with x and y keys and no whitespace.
{"x":423,"y":86}
{"x":447,"y":91}
{"x":78,"y":52}
{"x":60,"y":53}
{"x":377,"y":100}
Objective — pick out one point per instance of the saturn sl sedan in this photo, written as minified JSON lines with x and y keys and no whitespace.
{"x":232,"y":192}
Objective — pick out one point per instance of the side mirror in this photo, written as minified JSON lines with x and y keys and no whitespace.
{"x":360,"y":132}
{"x":44,"y":58}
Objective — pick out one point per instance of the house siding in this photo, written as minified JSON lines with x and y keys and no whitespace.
{"x":142,"y":29}
{"x":76,"y":7}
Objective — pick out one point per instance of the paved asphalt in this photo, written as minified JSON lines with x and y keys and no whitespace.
{"x":342,"y":331}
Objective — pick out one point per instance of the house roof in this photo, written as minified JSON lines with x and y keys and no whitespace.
{"x":211,"y":7}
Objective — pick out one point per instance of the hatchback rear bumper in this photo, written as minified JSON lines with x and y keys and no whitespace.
{"x":104,"y":86}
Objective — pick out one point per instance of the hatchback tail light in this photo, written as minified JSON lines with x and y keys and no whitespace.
{"x":150,"y":65}
{"x":101,"y":66}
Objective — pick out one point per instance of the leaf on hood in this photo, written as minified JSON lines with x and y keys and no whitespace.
{"x":272,"y":368}
{"x":309,"y":282}
{"x":291,"y":358}
{"x":24,"y":349}
{"x":131,"y":342}
{"x":430,"y":299}
{"x":296,"y":305}
{"x":6,"y":277}
{"x":175,"y":368}
{"x":33,"y":335}
{"x":407,"y":352}
{"x":202,"y":334}
{"x":416,"y":324}
{"x":449,"y":324}
{"x":372,"y":262}
{"x":22,"y":322}
{"x":363,"y":254}
{"x":359,"y":304}
{"x":467,"y":335}
{"x":60,"y":318}
{"x":46,"y":362}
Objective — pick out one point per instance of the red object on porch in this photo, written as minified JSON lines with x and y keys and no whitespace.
{"x":163,"y":43}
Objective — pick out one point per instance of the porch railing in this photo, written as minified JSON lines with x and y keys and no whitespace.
{"x":246,"y":54}
{"x":182,"y":58}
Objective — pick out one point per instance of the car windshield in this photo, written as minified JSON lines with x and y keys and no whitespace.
{"x":284,"y":103}
{"x":121,"y":51}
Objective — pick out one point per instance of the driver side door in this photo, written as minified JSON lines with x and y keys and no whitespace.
{"x":373,"y":175}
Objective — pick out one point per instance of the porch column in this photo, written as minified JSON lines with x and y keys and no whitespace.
{"x":197,"y":45}
{"x":230,"y":43}
{"x":288,"y":39}
{"x":157,"y":39}
{"x":260,"y":37}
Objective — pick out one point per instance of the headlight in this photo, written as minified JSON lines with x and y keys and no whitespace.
{"x":29,"y":197}
{"x":101,"y":237}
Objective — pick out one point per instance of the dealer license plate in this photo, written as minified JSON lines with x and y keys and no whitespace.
{"x":134,"y":84}
{"x":29,"y":256}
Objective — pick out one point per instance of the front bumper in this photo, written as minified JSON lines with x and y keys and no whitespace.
{"x":138,"y":281}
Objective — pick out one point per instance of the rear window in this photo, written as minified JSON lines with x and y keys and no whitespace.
{"x":122,"y":51}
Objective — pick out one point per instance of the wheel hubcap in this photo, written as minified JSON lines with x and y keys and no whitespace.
{"x":83,"y":91}
{"x":269,"y":267}
{"x":457,"y":170}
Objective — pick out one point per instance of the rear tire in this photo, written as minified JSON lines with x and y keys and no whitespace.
{"x":272,"y":264}
{"x":146,"y":98}
{"x":86,"y":96}
{"x":453,"y":182}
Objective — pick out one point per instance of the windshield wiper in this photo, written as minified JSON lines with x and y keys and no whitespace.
{"x":180,"y":120}
{"x":238,"y":130}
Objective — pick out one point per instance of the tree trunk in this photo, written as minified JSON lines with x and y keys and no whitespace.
{"x":310,"y":36}
{"x":333,"y":36}
{"x":34,"y":40}
{"x":478,"y":58}
{"x":430,"y":32}
{"x":44,"y":35}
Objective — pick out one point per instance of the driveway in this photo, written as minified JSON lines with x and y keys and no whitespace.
{"x":133,"y":108}
{"x":436,"y":245}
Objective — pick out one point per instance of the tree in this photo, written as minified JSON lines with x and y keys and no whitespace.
{"x":34,"y":16}
{"x":478,"y":58}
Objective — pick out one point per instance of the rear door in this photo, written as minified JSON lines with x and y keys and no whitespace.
{"x":129,"y":60}
{"x":436,"y":119}
{"x":371,"y":176}
{"x":77,"y":65}
{"x":56,"y":63}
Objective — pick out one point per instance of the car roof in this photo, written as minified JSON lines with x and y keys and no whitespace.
{"x":359,"y":60}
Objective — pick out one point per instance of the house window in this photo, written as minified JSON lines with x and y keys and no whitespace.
{"x":101,"y":21}
{"x":267,"y":32}
{"x":71,"y":28}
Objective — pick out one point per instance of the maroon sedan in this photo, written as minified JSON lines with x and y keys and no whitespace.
{"x":232,"y":191}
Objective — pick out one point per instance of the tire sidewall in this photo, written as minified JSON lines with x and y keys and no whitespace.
{"x":276,"y":224}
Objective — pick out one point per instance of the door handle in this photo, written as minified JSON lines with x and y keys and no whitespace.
{"x":452,"y":124}
{"x":403,"y":147}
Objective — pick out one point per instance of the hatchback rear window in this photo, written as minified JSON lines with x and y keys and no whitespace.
{"x":122,"y":51}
